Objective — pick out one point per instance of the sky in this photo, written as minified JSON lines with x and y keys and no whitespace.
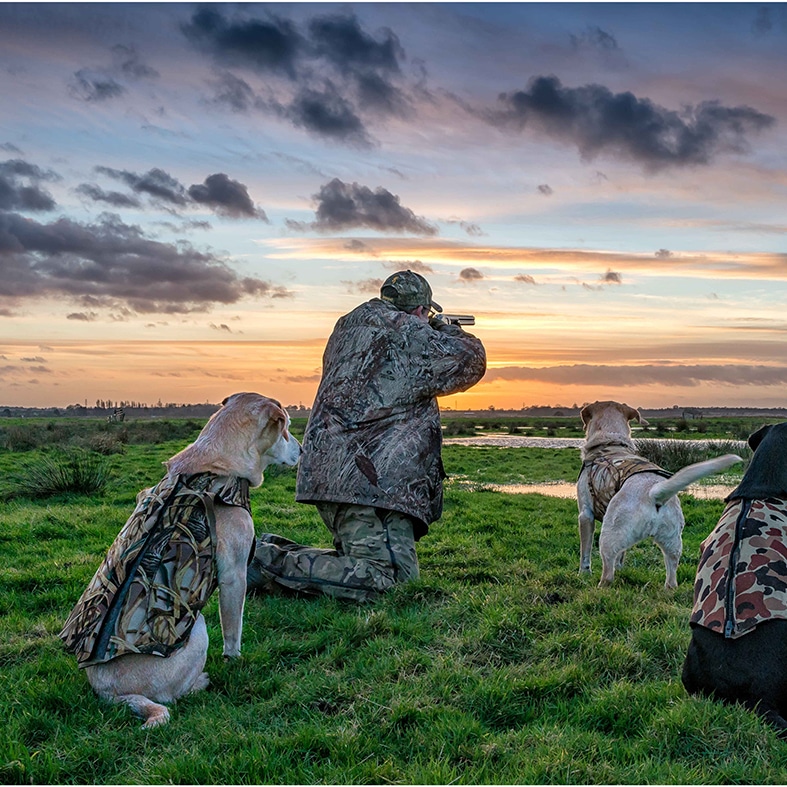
{"x":192,"y":194}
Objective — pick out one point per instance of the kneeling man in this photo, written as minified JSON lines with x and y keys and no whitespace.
{"x":371,"y":459}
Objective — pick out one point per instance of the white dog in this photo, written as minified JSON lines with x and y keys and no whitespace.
{"x":631,"y":497}
{"x":138,"y":629}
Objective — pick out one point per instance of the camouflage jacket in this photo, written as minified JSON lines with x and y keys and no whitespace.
{"x":608,"y":469}
{"x":157,"y":575}
{"x":742,"y":574}
{"x":374,"y":434}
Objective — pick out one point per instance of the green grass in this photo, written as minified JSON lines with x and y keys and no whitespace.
{"x":500,"y":665}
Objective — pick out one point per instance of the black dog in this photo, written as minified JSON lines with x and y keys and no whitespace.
{"x":738,"y":649}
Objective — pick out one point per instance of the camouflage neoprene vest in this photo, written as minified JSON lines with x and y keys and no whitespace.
{"x":374,"y":435}
{"x":609,"y":470}
{"x":742,"y":574}
{"x":157,"y":575}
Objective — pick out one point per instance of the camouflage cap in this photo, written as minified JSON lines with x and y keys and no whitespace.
{"x":408,"y":290}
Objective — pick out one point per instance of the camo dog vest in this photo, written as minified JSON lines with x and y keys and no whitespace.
{"x":742,"y":574}
{"x":607,"y":472}
{"x":157,"y":575}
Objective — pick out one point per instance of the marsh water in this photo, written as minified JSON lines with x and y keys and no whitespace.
{"x":565,"y":489}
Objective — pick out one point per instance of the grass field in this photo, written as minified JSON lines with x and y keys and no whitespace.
{"x":500,"y":665}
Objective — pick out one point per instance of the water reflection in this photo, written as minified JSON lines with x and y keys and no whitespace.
{"x":564,"y":489}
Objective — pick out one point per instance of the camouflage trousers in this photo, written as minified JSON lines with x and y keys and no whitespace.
{"x":374,"y":549}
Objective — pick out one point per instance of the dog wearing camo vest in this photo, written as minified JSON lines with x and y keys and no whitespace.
{"x":137,"y":630}
{"x":631,"y":497}
{"x":738,"y":648}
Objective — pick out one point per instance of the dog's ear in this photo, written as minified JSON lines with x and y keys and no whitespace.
{"x":633,"y":415}
{"x":755,"y":438}
{"x":274,"y":413}
{"x":586,"y":413}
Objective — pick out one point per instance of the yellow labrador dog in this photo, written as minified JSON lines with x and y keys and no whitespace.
{"x":137,"y":629}
{"x":631,"y":497}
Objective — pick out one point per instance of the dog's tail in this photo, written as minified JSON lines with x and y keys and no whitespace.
{"x":669,"y":487}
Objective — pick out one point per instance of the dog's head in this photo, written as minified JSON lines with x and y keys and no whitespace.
{"x":766,"y":475}
{"x":248,"y":433}
{"x":608,"y":422}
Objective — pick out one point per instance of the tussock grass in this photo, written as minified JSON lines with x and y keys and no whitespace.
{"x":76,"y":471}
{"x":674,"y":454}
{"x":500,"y":665}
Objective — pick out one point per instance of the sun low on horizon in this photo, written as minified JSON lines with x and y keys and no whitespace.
{"x":191,"y":196}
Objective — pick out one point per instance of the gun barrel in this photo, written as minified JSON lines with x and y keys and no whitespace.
{"x":458,"y":319}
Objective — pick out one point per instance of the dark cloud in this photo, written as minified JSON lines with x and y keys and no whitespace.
{"x":470,"y":275}
{"x":612,"y":277}
{"x":227,"y":197}
{"x":9,"y":147}
{"x":545,"y":189}
{"x":359,"y":247}
{"x":262,"y":45}
{"x":599,"y":121}
{"x":409,"y":265}
{"x":16,"y":194}
{"x":94,"y":86}
{"x":234,"y":92}
{"x":327,"y":113}
{"x":663,"y":253}
{"x":110,"y":261}
{"x":114,"y":198}
{"x":156,"y":183}
{"x":342,"y":206}
{"x":83,"y":316}
{"x":650,"y":374}
{"x":325,"y":80}
{"x":595,"y":38}
{"x":128,"y":63}
{"x":341,"y":41}
{"x":525,"y":278}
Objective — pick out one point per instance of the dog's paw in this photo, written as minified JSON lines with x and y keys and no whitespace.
{"x":157,"y":716}
{"x":234,"y":656}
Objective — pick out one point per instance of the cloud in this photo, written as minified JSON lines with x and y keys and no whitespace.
{"x":114,"y":198}
{"x":328,"y":114}
{"x":763,"y":23}
{"x":343,"y":206}
{"x":270,"y":45}
{"x":525,"y":278}
{"x":545,"y":189}
{"x":470,"y":275}
{"x":93,"y":86}
{"x":595,"y":38}
{"x":685,"y":376}
{"x":15,"y":194}
{"x":112,"y":262}
{"x":83,"y":316}
{"x":611,"y":277}
{"x":620,"y":124}
{"x":663,"y":254}
{"x":128,"y":63}
{"x":234,"y":92}
{"x":340,"y":40}
{"x":325,"y":79}
{"x":156,"y":183}
{"x":413,"y":265}
{"x":227,"y":197}
{"x":365,"y":286}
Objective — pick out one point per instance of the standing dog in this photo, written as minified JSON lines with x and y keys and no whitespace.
{"x":137,"y":629}
{"x":738,"y":648}
{"x":630,"y":496}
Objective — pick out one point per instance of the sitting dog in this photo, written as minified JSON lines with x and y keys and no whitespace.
{"x":630,"y":496}
{"x":738,"y":648}
{"x":137,"y":629}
